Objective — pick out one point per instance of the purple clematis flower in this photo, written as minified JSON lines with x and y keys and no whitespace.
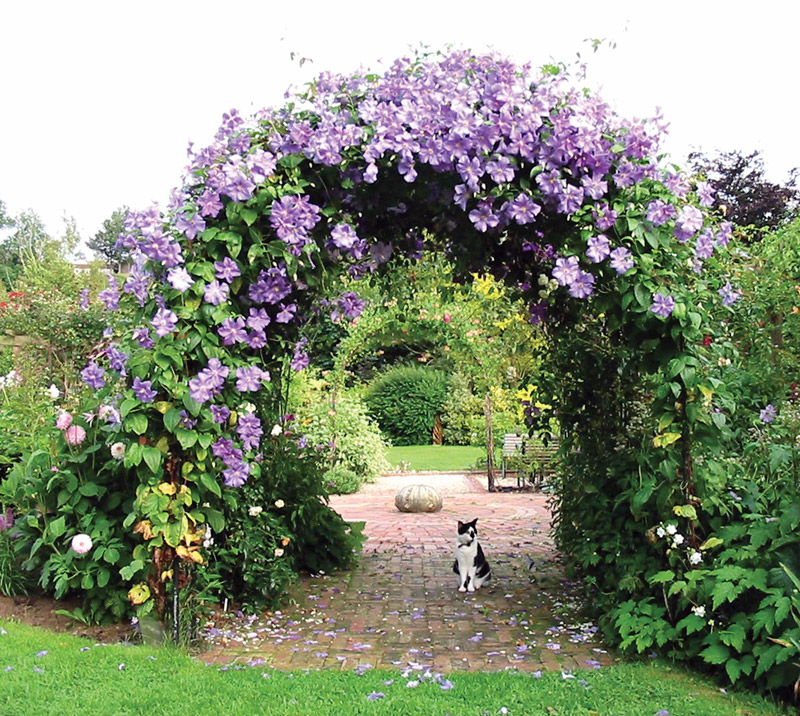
{"x":662,"y":305}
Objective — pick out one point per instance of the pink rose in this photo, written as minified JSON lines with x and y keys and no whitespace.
{"x":446,"y":318}
{"x":64,"y":420}
{"x":75,"y":435}
{"x":81,"y":543}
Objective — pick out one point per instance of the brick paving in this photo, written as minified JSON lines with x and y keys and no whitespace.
{"x":401,"y":604}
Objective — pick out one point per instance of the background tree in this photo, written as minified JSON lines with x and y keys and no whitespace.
{"x":104,"y":242}
{"x":741,"y":187}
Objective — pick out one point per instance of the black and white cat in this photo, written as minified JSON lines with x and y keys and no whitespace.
{"x":471,"y":566}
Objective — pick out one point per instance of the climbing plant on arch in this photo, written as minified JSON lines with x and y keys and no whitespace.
{"x":508,"y":171}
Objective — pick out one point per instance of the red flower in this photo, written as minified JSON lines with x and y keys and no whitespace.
{"x":707,"y":340}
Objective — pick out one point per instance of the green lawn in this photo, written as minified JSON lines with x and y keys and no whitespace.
{"x":47,"y":674}
{"x":436,"y":457}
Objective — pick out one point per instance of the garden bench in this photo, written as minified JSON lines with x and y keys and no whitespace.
{"x":530,"y":459}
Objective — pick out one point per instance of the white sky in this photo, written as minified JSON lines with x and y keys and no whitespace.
{"x":98,"y":100}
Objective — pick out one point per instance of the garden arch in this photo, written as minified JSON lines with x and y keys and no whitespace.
{"x":511,"y":172}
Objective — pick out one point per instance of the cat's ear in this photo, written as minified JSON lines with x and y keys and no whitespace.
{"x":474,"y":522}
{"x":460,"y":524}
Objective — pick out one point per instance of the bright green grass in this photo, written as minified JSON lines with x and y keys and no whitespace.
{"x":436,"y":457}
{"x":155,"y":682}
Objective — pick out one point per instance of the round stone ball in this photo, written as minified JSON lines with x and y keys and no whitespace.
{"x":418,"y":498}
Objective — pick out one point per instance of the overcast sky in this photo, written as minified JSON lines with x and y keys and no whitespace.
{"x":100,"y":99}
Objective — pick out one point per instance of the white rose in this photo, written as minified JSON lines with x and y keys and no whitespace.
{"x":699,"y":611}
{"x":276,"y":430}
{"x":255,"y":510}
{"x":52,"y":392}
{"x":677,"y":540}
{"x":695,"y":558}
{"x":279,"y":503}
{"x":278,"y":552}
{"x":671,"y":529}
{"x":660,"y":532}
{"x":118,"y":451}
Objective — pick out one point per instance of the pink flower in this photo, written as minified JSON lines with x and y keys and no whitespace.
{"x":81,"y":543}
{"x":75,"y":435}
{"x":446,"y":318}
{"x":64,"y":420}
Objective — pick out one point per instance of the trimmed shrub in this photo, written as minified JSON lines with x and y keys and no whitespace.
{"x":405,"y":402}
{"x":342,"y":480}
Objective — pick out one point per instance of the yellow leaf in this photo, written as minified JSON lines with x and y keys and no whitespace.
{"x":162,"y":406}
{"x":139,"y":594}
{"x":163,"y":444}
{"x":711,"y":542}
{"x":167,"y":488}
{"x":666,"y":439}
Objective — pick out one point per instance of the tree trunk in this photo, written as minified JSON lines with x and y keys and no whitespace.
{"x":487,"y":411}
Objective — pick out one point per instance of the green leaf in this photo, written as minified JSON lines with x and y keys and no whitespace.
{"x":211,"y":484}
{"x":666,"y":575}
{"x":716,"y":654}
{"x":152,"y":456}
{"x":57,"y":527}
{"x":111,"y":555}
{"x":215,"y":519}
{"x":137,"y":423}
{"x":723,"y":591}
{"x":91,"y":489}
{"x":642,"y":295}
{"x":103,"y":575}
{"x":733,"y":636}
{"x":710,"y":543}
{"x":187,"y":438}
{"x":171,"y":419}
{"x":249,"y":216}
{"x":127,"y":405}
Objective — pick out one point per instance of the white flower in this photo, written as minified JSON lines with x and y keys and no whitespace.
{"x":695,"y":557}
{"x":699,"y":611}
{"x":118,"y":451}
{"x":255,"y":510}
{"x":52,"y":392}
{"x":544,"y":279}
{"x":247,"y":408}
{"x":276,"y":430}
{"x":278,"y":552}
{"x":677,"y":540}
{"x":660,"y":532}
{"x":671,"y":529}
{"x":279,"y":503}
{"x":81,"y":543}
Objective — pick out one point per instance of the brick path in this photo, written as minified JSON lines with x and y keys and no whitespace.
{"x":401,"y":604}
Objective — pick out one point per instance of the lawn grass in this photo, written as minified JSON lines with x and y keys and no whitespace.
{"x":423,"y":458}
{"x":76,"y":677}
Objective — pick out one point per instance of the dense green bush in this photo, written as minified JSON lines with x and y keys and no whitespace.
{"x":405,"y":402}
{"x":342,"y":480}
{"x":347,"y":435}
{"x":277,"y":526}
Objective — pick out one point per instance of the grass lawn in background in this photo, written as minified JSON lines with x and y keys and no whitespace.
{"x":423,"y":458}
{"x":47,"y":674}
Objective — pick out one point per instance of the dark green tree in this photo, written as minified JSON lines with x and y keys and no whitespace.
{"x":104,"y":241}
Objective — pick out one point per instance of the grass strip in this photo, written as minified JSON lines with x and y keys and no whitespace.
{"x":43,"y":674}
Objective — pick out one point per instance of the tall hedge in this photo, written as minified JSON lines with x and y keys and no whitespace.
{"x":405,"y":401}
